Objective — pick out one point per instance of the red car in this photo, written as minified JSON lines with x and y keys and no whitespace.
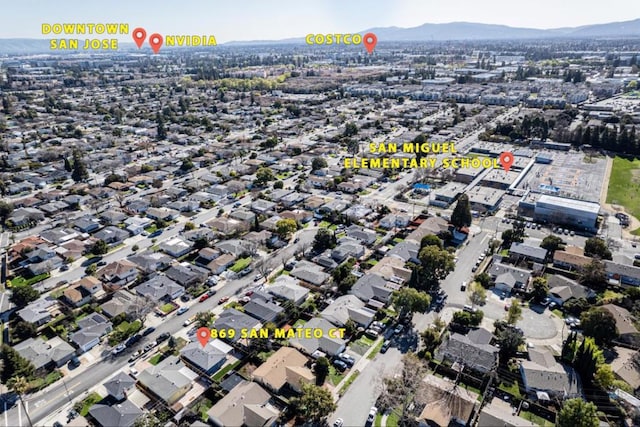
{"x":248,"y":293}
{"x":223,"y":300}
{"x":204,"y":297}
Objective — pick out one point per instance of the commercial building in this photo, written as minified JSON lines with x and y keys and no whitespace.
{"x":573,"y":213}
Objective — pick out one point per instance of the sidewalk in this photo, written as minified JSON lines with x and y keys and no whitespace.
{"x":358,"y":366}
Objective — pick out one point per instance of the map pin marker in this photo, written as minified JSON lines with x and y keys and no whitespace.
{"x":370,"y":40}
{"x":139,"y":35}
{"x":155,"y":41}
{"x":203,"y":335}
{"x":506,"y":160}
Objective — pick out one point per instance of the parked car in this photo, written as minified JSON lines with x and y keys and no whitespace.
{"x":133,"y":372}
{"x":398,"y":329}
{"x":371,"y":333}
{"x":340,"y":365}
{"x":211,"y":292}
{"x":372,"y":414}
{"x":148,"y":331}
{"x":545,"y":302}
{"x":463,"y":287}
{"x":338,"y":422}
{"x":132,"y":340}
{"x":102,"y":263}
{"x":385,"y":346}
{"x":349,"y":360}
{"x":118,"y":349}
{"x":185,"y":297}
{"x":204,"y":297}
{"x":149,"y":346}
{"x":163,"y":337}
{"x":223,"y":300}
{"x":64,"y":267}
{"x":182,"y":310}
{"x":469,"y":308}
{"x":74,"y":362}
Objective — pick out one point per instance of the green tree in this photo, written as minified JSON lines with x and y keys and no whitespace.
{"x":552,"y":243}
{"x":321,"y":369}
{"x":515,"y":235}
{"x":23,"y":295}
{"x":461,"y":216}
{"x":465,"y":318}
{"x":435,"y":265}
{"x":431,"y":240}
{"x":478,"y":294}
{"x":161,"y":131}
{"x":23,"y":330}
{"x":406,"y":390}
{"x":578,"y":413}
{"x":596,"y":247}
{"x":80,"y":172}
{"x":410,"y":300}
{"x":509,"y":340}
{"x":189,"y":226}
{"x":100,"y":247}
{"x":594,"y":274}
{"x":285,"y":227}
{"x":187,"y":165}
{"x":263,"y":175}
{"x":431,"y":338}
{"x":599,"y":324}
{"x":203,"y":319}
{"x":5,"y":211}
{"x":14,"y":365}
{"x":514,"y":313}
{"x":318,"y":163}
{"x":484,"y":279}
{"x":604,"y":377}
{"x":278,"y":185}
{"x":315,"y":403}
{"x":324,"y":240}
{"x":540,"y":289}
{"x":350,"y":129}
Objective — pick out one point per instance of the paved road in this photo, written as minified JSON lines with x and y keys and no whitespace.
{"x":48,"y":401}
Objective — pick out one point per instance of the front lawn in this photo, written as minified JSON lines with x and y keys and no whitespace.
{"x":156,"y":359}
{"x":536,"y":419}
{"x":375,"y":350}
{"x":364,"y":341}
{"x":87,"y":403}
{"x":167,"y":308}
{"x":335,"y":376}
{"x":240,"y":265}
{"x":222,"y":372}
{"x":21,"y":281}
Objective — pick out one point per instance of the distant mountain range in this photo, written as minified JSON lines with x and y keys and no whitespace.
{"x":424,"y":32}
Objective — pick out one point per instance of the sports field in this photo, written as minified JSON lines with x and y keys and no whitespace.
{"x":624,"y":186}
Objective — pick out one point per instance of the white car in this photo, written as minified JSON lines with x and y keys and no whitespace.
{"x":338,"y":423}
{"x":133,"y":372}
{"x":372,"y":414}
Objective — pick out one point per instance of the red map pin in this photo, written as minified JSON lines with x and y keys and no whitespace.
{"x":203,"y":335}
{"x":506,"y":160}
{"x":370,"y":40}
{"x":139,"y":35}
{"x":155,"y":41}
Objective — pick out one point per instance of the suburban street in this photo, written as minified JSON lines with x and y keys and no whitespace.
{"x":45,"y":402}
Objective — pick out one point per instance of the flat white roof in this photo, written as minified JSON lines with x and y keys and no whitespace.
{"x":570,"y":203}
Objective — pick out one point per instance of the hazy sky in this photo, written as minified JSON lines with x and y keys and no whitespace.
{"x":277,"y":19}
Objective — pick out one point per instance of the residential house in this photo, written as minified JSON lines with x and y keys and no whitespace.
{"x":220,"y":264}
{"x":394,"y":220}
{"x":39,"y":311}
{"x":348,"y":307}
{"x":168,"y":381}
{"x":521,"y":251}
{"x":87,"y":224}
{"x":562,"y":289}
{"x":364,"y":235}
{"x":262,"y":206}
{"x":92,"y":329}
{"x":113,"y":217}
{"x":392,"y":269}
{"x":150,"y":262}
{"x":164,"y":214}
{"x":208,"y":359}
{"x":160,"y":288}
{"x":446,"y":403}
{"x":121,"y":302}
{"x":472,"y":350}
{"x":571,"y":258}
{"x":298,"y":215}
{"x":310,"y":273}
{"x":205,"y":256}
{"x":499,"y":413}
{"x":235,"y":246}
{"x":626,"y":366}
{"x":82,"y":291}
{"x":327,"y":343}
{"x":243,"y":215}
{"x":286,"y":287}
{"x":118,"y":386}
{"x":187,"y":274}
{"x":287,"y":366}
{"x":622,"y":274}
{"x":122,"y":414}
{"x":407,"y":251}
{"x":246,"y":404}
{"x":136,"y":225}
{"x":543,"y":376}
{"x":112,"y":235}
{"x":43,"y":354}
{"x":507,"y":277}
{"x":264,"y":311}
{"x":117,"y":274}
{"x":176,"y":247}
{"x":372,"y":287}
{"x":228,"y":226}
{"x":347,"y":248}
{"x":628,"y":333}
{"x":231,"y":318}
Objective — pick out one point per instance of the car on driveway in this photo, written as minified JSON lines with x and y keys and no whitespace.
{"x":340,"y":365}
{"x":348,"y":359}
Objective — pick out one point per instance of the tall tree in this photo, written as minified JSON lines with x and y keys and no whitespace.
{"x":461,"y":216}
{"x":514,"y":313}
{"x":596,"y":247}
{"x":410,"y":300}
{"x":80,"y":172}
{"x":161,"y":131}
{"x":594,"y":274}
{"x":599,"y":324}
{"x":324,"y":240}
{"x":552,"y":243}
{"x":19,"y":386}
{"x":100,"y":247}
{"x":14,"y":365}
{"x":435,"y":265}
{"x":405,"y":393}
{"x":285,"y":227}
{"x":577,"y":413}
{"x":315,"y":403}
{"x":540,"y":289}
{"x":321,"y":369}
{"x":23,"y":295}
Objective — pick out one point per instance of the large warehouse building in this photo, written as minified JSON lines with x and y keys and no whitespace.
{"x":573,"y":213}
